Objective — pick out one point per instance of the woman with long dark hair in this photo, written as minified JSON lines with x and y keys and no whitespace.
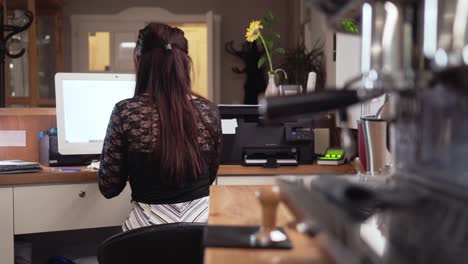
{"x":165,"y":140}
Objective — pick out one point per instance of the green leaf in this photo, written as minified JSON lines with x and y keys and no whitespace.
{"x":274,"y":19}
{"x":259,"y":42}
{"x":269,"y":44}
{"x":280,"y":50}
{"x":350,"y":26}
{"x":270,"y":15}
{"x":261,"y":61}
{"x":266,"y":22}
{"x":276,"y":34}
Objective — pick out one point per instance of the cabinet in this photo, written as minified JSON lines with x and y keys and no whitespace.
{"x":50,"y":208}
{"x":39,"y":208}
{"x":6,"y":225}
{"x":30,"y":79}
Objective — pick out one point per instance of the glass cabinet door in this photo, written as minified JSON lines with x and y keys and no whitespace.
{"x":31,"y":78}
{"x":18,"y":68}
{"x":46,"y":43}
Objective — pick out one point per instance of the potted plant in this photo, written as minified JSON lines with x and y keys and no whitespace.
{"x":266,"y":39}
{"x":300,"y":61}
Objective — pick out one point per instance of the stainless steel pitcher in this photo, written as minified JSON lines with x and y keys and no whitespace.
{"x":376,"y":142}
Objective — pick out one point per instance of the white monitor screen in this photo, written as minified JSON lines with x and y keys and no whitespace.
{"x":84,"y":105}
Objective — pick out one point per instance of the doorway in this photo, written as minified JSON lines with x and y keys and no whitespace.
{"x":105,"y":43}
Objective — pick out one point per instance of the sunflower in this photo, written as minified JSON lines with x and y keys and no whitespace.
{"x":253,"y":32}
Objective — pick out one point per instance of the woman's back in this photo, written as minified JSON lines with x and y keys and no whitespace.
{"x":134,"y":135}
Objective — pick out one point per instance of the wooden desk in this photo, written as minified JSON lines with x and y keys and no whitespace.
{"x":51,"y":194}
{"x":302,"y":169}
{"x":237,"y":205}
{"x":50,"y":176}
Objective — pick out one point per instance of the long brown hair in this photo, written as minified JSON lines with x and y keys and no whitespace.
{"x":163,"y":72}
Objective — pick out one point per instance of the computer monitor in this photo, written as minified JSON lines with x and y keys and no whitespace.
{"x":84,"y":105}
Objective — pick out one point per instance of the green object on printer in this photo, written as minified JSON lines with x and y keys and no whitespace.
{"x":333,"y":156}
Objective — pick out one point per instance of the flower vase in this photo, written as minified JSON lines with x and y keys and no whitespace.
{"x":272,"y":88}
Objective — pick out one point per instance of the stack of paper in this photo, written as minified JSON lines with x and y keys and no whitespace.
{"x":18,"y":166}
{"x":228,"y":126}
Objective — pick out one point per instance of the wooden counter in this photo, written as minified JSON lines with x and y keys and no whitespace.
{"x":302,"y":169}
{"x":237,"y":205}
{"x":39,"y":111}
{"x":48,"y":175}
{"x":51,"y":176}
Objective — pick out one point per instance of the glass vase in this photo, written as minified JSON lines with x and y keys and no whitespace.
{"x":272,"y":88}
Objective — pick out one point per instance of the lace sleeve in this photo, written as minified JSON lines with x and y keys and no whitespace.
{"x":216,"y":159}
{"x":112,"y":175}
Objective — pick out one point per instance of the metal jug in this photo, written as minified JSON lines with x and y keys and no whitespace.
{"x":376,"y":144}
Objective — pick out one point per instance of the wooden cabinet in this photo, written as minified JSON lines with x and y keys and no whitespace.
{"x":27,"y":120}
{"x":46,"y":208}
{"x":30,"y":79}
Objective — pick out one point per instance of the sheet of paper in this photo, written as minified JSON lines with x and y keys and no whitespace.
{"x":12,"y":138}
{"x":228,"y":126}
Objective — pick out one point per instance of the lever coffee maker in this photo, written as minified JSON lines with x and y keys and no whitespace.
{"x":416,"y":52}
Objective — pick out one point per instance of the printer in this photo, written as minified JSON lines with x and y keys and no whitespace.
{"x":246,"y":141}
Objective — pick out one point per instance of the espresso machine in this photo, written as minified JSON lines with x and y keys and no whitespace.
{"x":416,"y":52}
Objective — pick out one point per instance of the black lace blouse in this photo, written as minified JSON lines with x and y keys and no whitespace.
{"x":131,"y":137}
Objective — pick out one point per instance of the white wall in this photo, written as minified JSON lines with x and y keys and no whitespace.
{"x":348,"y":58}
{"x":348,"y":66}
{"x":235,"y":15}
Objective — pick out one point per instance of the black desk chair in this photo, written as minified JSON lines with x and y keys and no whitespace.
{"x":168,"y":243}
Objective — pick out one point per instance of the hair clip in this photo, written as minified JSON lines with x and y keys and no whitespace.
{"x":168,"y":46}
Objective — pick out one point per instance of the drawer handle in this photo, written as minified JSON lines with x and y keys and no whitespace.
{"x":82,"y":194}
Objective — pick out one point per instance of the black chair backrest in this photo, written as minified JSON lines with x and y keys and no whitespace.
{"x":167,"y":243}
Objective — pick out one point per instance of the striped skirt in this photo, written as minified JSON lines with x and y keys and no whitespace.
{"x":142,"y":214}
